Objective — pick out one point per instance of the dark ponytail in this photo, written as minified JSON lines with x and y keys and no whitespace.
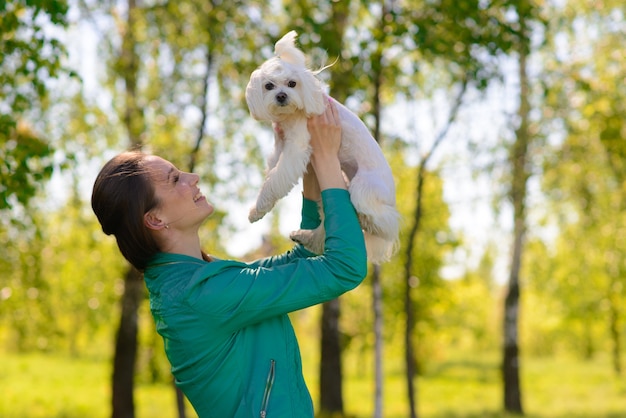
{"x":122,"y":194}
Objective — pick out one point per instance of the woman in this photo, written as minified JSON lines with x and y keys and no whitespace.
{"x":224,"y":323}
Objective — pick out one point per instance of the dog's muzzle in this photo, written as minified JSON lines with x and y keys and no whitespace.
{"x":282,"y":99}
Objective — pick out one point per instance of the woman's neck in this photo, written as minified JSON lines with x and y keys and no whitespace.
{"x":179,"y":242}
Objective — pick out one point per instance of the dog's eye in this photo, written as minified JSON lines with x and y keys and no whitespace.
{"x":291,"y":84}
{"x":269,"y":86}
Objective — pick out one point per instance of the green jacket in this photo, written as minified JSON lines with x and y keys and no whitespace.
{"x":224,"y":323}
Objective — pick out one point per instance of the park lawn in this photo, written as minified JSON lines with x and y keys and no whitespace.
{"x":57,"y":386}
{"x":562,"y":387}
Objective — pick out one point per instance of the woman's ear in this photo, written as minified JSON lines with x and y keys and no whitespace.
{"x":151,"y":221}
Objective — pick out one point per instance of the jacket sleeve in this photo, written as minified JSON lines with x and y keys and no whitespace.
{"x":310,"y":220}
{"x":241,"y":295}
{"x":310,"y":214}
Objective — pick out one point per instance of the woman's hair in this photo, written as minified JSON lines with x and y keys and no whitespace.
{"x":122,"y":194}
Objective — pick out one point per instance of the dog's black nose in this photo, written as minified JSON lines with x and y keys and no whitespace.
{"x":281,"y":98}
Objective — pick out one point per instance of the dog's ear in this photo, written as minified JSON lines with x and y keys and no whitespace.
{"x":254,"y":96}
{"x":313,"y":94}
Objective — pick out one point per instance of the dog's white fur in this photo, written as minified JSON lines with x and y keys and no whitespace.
{"x":284,"y":91}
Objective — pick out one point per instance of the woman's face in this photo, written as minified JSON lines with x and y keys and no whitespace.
{"x":181,"y":205}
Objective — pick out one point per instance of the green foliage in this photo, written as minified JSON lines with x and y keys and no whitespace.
{"x":25,"y":164}
{"x":23,"y":284}
{"x":60,"y":278}
{"x":194,"y":60}
{"x":30,"y":56}
{"x":581,"y":274}
{"x":473,"y":318}
{"x":63,"y":295}
{"x":432,"y":296}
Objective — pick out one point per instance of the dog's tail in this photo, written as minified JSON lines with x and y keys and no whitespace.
{"x":379,"y":250}
{"x":286,"y":49}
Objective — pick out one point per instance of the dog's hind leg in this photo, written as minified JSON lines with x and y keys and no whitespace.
{"x":374,"y":200}
{"x":312,"y":239}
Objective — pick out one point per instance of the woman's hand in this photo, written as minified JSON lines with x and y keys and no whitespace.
{"x":325,"y":131}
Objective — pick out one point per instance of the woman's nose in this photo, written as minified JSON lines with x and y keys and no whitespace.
{"x":193,"y":178}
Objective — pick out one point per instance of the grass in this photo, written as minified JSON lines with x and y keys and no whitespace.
{"x":463,"y":387}
{"x":56,"y":386}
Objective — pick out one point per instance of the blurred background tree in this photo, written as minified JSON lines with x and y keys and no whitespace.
{"x":585,"y":176}
{"x":169,"y":77}
{"x":31,"y":55}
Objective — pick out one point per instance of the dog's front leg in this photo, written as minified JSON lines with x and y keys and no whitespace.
{"x":279,"y":143}
{"x":290,"y":165}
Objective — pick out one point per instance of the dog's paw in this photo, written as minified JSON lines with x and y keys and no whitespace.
{"x":300,"y":236}
{"x":310,"y":239}
{"x":254,"y":214}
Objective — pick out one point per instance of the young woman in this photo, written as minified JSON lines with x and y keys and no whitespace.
{"x":224,"y":323}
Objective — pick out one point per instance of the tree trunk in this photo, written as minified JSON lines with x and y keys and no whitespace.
{"x":409,"y":309}
{"x":331,"y":399}
{"x":203,"y":106}
{"x":331,"y":378}
{"x":126,"y":341}
{"x":126,"y":347}
{"x":614,"y":295}
{"x":180,"y":402}
{"x":616,"y":158}
{"x":410,"y":279}
{"x":615,"y":336}
{"x":409,"y":352}
{"x":519,"y":155}
{"x":377,"y":293}
{"x":510,"y":365}
{"x":377,"y":301}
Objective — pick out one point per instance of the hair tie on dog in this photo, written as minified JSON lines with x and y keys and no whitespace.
{"x":286,"y":50}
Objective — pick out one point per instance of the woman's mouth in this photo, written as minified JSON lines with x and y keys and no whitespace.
{"x":199,"y":196}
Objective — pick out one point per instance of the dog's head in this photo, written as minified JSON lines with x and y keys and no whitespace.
{"x":283,"y":86}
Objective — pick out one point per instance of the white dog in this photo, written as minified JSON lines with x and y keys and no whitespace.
{"x":285,"y":92}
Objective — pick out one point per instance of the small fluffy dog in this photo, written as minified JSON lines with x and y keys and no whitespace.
{"x":282,"y":90}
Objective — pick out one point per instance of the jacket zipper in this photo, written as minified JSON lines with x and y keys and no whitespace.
{"x":268,"y":388}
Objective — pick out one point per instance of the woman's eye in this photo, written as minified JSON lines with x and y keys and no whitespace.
{"x":291,"y":84}
{"x":269,"y":86}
